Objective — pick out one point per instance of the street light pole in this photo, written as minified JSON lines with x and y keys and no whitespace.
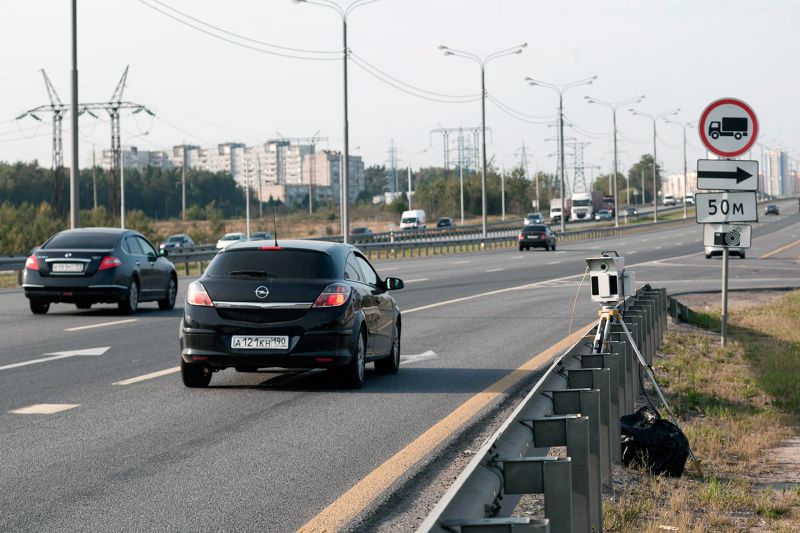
{"x":484,"y":166}
{"x":613,"y":107}
{"x":654,"y":118}
{"x":74,"y":171}
{"x":345,"y":173}
{"x":685,"y":167}
{"x":561,"y":89}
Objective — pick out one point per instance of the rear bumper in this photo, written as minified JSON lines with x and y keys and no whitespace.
{"x":538,"y":243}
{"x":91,"y":293}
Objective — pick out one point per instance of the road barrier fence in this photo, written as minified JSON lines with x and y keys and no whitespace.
{"x":576,"y":404}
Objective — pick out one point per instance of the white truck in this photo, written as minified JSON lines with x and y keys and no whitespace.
{"x":413,"y":219}
{"x":585,"y":204}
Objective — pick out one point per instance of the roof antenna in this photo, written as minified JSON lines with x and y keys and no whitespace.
{"x":274,"y":225}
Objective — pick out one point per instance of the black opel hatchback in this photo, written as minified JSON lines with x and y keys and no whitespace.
{"x":99,"y":265}
{"x":300,"y":304}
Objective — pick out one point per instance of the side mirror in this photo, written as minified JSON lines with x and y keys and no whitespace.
{"x":151,"y":256}
{"x":164,"y":252}
{"x":393,"y":284}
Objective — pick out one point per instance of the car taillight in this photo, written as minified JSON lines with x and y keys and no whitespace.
{"x":334,"y":295}
{"x":197,"y":295}
{"x":109,"y":262}
{"x":521,"y":236}
{"x":270,"y":248}
{"x":32,"y":263}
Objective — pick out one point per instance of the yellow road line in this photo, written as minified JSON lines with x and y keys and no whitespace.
{"x":779,"y":250}
{"x":362,"y":494}
{"x":151,"y":375}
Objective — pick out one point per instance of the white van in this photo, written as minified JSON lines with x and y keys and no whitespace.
{"x":413,"y":219}
{"x":669,"y":199}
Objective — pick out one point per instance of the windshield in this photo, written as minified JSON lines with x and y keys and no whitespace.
{"x":296,"y":264}
{"x":581,"y":203}
{"x":409,"y":220}
{"x":232,"y":237}
{"x":175,"y":238}
{"x":83,"y":240}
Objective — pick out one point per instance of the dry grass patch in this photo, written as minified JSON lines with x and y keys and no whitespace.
{"x":733,"y":404}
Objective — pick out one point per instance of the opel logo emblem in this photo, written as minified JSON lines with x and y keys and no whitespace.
{"x":68,"y":254}
{"x":262,"y":292}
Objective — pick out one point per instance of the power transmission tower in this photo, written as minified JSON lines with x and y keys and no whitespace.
{"x":59,"y":109}
{"x":392,"y":167}
{"x":460,"y":131}
{"x":524,"y":165}
{"x":579,"y":177}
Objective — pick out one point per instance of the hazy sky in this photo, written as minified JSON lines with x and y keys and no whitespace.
{"x":206,"y":91}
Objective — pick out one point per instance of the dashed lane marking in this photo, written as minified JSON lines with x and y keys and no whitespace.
{"x":151,"y":375}
{"x":460,"y":262}
{"x":415,"y":280}
{"x":103,"y":324}
{"x":44,"y":408}
{"x":554,"y":262}
{"x":495,"y":270}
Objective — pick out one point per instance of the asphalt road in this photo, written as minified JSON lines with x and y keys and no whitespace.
{"x":269,"y":452}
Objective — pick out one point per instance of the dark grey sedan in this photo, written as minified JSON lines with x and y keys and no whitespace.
{"x":99,"y":265}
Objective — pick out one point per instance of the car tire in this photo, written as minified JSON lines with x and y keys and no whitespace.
{"x":521,"y":248}
{"x":38,"y":307}
{"x":195,"y":375}
{"x":353,"y":375}
{"x":83,"y":306}
{"x":708,"y":256}
{"x":742,"y":255}
{"x":390,"y":364}
{"x":172,"y":292}
{"x":129,"y":305}
{"x":553,"y":248}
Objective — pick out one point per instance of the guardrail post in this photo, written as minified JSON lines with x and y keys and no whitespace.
{"x":499,"y":525}
{"x":620,"y":340}
{"x":585,"y":402}
{"x":611,"y":361}
{"x":551,"y":476}
{"x":600,"y":379}
{"x":572,"y":431}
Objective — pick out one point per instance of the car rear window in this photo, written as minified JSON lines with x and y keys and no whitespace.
{"x":534,"y":229}
{"x":82,"y":240}
{"x":297,"y":264}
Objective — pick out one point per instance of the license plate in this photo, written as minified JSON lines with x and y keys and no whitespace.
{"x":243,"y":342}
{"x":70,"y":268}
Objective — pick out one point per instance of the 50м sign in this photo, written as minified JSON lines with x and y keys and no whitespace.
{"x":724,"y":207}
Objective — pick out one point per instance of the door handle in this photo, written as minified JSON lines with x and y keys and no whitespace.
{"x":138,"y":263}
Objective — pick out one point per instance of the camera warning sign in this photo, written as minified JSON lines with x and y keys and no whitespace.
{"x":724,"y":207}
{"x":727,"y":235}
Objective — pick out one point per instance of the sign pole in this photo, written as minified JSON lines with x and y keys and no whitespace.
{"x":724,"y":332}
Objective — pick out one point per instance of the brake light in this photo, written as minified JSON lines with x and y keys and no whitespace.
{"x":109,"y":262}
{"x":521,"y":236}
{"x":32,"y":263}
{"x":270,"y":248}
{"x":197,"y":295}
{"x":334,"y":295}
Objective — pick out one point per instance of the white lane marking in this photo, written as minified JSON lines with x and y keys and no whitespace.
{"x":389,"y":269}
{"x":415,"y":280}
{"x":460,"y":262}
{"x":151,"y":375}
{"x":44,"y":408}
{"x":494,"y":270}
{"x":594,"y":247}
{"x":424,"y":356}
{"x":517,"y":256}
{"x":631,"y":253}
{"x":658,"y":247}
{"x":554,"y":262}
{"x":678,"y":243}
{"x":59,"y":355}
{"x":103,"y":324}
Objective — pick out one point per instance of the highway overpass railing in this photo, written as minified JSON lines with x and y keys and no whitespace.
{"x":577,"y":404}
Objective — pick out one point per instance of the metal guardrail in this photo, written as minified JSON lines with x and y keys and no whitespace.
{"x":577,"y":404}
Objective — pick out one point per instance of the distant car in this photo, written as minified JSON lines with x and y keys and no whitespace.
{"x":631,"y":212}
{"x":261,"y":236}
{"x":99,"y":265}
{"x":537,"y":236}
{"x":771,"y":209}
{"x":717,"y":250}
{"x":179,"y":240}
{"x":533,"y":218}
{"x":603,"y":214}
{"x":303,"y":304}
{"x":361,"y":231}
{"x":445,"y":222}
{"x":230,"y":238}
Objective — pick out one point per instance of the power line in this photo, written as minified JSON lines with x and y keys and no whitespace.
{"x":237,"y":43}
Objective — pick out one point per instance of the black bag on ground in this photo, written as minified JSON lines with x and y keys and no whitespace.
{"x":652,"y":443}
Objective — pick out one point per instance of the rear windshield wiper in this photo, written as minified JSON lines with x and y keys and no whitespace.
{"x":249,"y":273}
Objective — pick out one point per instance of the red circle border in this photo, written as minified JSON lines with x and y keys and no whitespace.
{"x":713,"y":105}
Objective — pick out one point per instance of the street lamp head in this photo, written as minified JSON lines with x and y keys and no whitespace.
{"x":448,"y":53}
{"x":298,"y":1}
{"x":442,"y":47}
